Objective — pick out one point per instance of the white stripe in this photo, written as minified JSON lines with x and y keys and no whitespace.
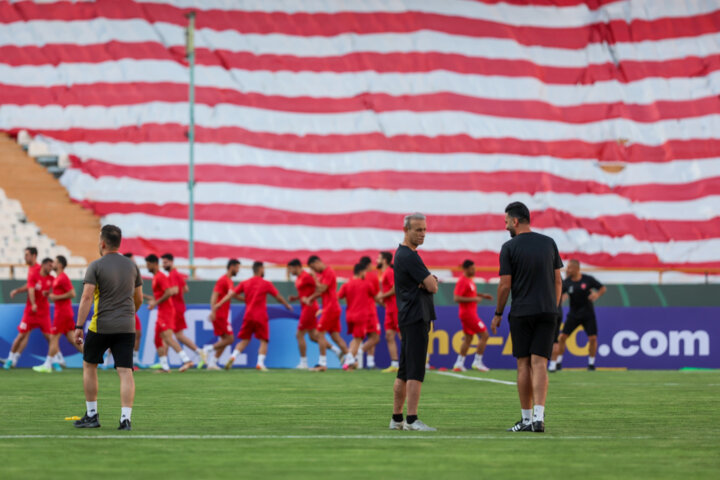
{"x":437,"y":202}
{"x":304,"y":237}
{"x":345,"y":85}
{"x":149,"y":154}
{"x":389,"y":124}
{"x":398,"y":436}
{"x":477,"y":379}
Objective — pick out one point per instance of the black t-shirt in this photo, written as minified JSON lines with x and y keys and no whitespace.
{"x":579,"y":292}
{"x":414,"y":304}
{"x":531,"y":258}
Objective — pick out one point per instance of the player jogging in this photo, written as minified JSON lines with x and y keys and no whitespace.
{"x":387,"y":298}
{"x":373,"y":329}
{"x":220,"y":316}
{"x":467,"y":297}
{"x":358,"y":316}
{"x":305,"y":285}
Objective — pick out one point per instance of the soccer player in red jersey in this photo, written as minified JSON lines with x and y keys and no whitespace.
{"x":467,"y":297}
{"x":138,"y":333}
{"x":162,"y":291}
{"x":326,"y":288}
{"x":305,"y":285}
{"x":373,"y":329}
{"x":37,"y":309}
{"x":387,"y":299}
{"x":220,"y":315}
{"x":358,"y":315}
{"x":178,"y":300}
{"x":255,"y":320}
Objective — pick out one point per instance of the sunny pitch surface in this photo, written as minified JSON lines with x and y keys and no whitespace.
{"x":290,"y":424}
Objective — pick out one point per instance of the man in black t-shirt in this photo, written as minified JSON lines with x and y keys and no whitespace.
{"x":529,"y":268}
{"x":414,"y":290}
{"x":582,"y":290}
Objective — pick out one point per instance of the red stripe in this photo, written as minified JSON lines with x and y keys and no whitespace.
{"x":572,"y":149}
{"x":179,"y":248}
{"x":609,"y":225}
{"x":506,"y":182}
{"x":332,"y":24}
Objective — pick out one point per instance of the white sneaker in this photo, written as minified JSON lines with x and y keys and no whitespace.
{"x":301,"y":366}
{"x":397,"y":425}
{"x":480,"y":367}
{"x":418,"y":426}
{"x":459,"y":368}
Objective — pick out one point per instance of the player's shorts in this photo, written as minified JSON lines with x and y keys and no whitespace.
{"x":589,"y":323}
{"x":391,"y":321}
{"x":32,"y":320}
{"x":373,"y":326}
{"x":138,"y":325}
{"x":180,"y":324}
{"x":413,"y":351}
{"x":357,"y":329}
{"x":308,"y":318}
{"x":259,"y":328}
{"x":164,"y":322}
{"x":63,"y":321}
{"x":222,"y":326}
{"x":533,"y":334}
{"x":121,"y":346}
{"x":472,"y":325}
{"x":330,"y":320}
{"x":558,"y":321}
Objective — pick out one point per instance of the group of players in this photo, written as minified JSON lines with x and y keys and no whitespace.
{"x":371,"y":285}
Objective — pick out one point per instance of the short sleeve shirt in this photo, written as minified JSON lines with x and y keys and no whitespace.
{"x":579,"y":293}
{"x":33,"y":281}
{"x":465,"y":287}
{"x":305,"y":284}
{"x":160,"y":283}
{"x":388,"y":281}
{"x":177,"y":280}
{"x":256,"y":290}
{"x":222,"y":287}
{"x":62,"y":285}
{"x":414,"y":304}
{"x":356,"y":293}
{"x":329,"y":296}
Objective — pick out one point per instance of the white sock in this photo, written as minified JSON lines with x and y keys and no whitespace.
{"x":48,"y":361}
{"x":322,"y":360}
{"x":460,"y":360}
{"x":552,"y":365}
{"x":478,"y":358}
{"x":91,"y":408}
{"x":394,"y":364}
{"x":539,"y":413}
{"x":591,"y":360}
{"x":371,"y":361}
{"x":16,"y":357}
{"x":198,"y":351}
{"x":261,"y":360}
{"x":526,"y":415}
{"x":212,"y":359}
{"x":559,"y":359}
{"x":125,"y":413}
{"x":183,"y":356}
{"x":136,"y":356}
{"x":349,"y":359}
{"x":303,"y":361}
{"x":59,"y":357}
{"x":336,"y":349}
{"x":164,"y":362}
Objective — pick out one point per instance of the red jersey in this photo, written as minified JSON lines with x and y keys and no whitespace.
{"x":357,"y":292}
{"x":305,"y":284}
{"x":160,"y":283}
{"x":372,"y":279}
{"x":465,"y":287}
{"x":60,"y":286}
{"x":256,"y":290}
{"x":39,"y":284}
{"x":177,"y":280}
{"x":388,"y":281}
{"x":222,"y":287}
{"x":329,"y":296}
{"x":33,"y":281}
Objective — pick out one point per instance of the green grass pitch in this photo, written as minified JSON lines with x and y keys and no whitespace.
{"x":333,"y":425}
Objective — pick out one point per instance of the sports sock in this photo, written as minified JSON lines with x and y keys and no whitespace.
{"x":460,"y":360}
{"x":394,"y":364}
{"x":16,"y":357}
{"x":349,"y":359}
{"x":136,"y":356}
{"x":59,"y":357}
{"x":526,"y":415}
{"x":261,"y":360}
{"x":303,"y":361}
{"x":336,"y":350}
{"x":552,"y":365}
{"x":212,"y":360}
{"x":91,"y":408}
{"x":411,"y":419}
{"x":183,"y":356}
{"x":198,"y":351}
{"x":591,"y":360}
{"x":478,"y":358}
{"x":48,"y":361}
{"x":125,"y":413}
{"x":559,"y":359}
{"x":371,"y":361}
{"x":164,"y":362}
{"x":539,"y":413}
{"x":397,"y":417}
{"x":322,"y":360}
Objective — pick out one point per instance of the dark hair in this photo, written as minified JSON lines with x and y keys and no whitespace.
{"x":168,"y":256}
{"x":575,"y":261}
{"x":295,"y":262}
{"x":359,"y":268}
{"x":62,"y":260}
{"x":32,"y":250}
{"x":112,"y":236}
{"x":365,"y":260}
{"x":468,"y":263}
{"x":387,"y":256}
{"x":128,"y":254}
{"x":46,"y":260}
{"x":518,"y":210}
{"x":232,"y":262}
{"x":257,"y":266}
{"x":152,"y":258}
{"x":312,"y":259}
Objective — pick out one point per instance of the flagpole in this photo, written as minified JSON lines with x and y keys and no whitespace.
{"x":190,"y":50}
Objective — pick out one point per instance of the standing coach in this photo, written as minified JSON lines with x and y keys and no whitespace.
{"x":113,"y":286}
{"x":529,"y":268}
{"x":414,"y":289}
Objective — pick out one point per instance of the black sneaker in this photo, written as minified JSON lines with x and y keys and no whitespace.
{"x":521,"y":427}
{"x":125,"y":425}
{"x":538,"y":426}
{"x":591,"y":367}
{"x":87,"y":422}
{"x":558,"y":367}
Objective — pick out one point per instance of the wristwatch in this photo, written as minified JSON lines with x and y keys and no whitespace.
{"x":498,"y":314}
{"x":79,"y":327}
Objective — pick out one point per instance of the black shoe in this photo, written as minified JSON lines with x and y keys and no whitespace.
{"x":558,"y":367}
{"x":591,"y":367}
{"x":125,"y":425}
{"x":87,"y":422}
{"x":521,"y":427}
{"x":538,"y":426}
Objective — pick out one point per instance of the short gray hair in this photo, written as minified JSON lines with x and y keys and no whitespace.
{"x":411,"y":217}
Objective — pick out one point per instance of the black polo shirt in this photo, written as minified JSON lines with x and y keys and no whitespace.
{"x":414,"y":304}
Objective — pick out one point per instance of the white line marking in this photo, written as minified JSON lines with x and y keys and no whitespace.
{"x":477,"y":379}
{"x":399,"y":436}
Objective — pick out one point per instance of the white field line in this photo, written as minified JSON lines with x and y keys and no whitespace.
{"x":477,"y":379}
{"x":399,"y":436}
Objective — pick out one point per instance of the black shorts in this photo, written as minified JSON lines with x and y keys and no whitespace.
{"x":121,"y":346}
{"x":558,"y":321}
{"x":413,"y":351}
{"x":588,"y":323}
{"x":533,"y":334}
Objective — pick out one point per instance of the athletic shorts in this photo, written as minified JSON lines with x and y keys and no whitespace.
{"x":391,"y":321}
{"x":357,"y":329}
{"x":121,"y":346}
{"x":180,"y":324}
{"x":63,"y":321}
{"x":373,"y":326}
{"x":163,"y":323}
{"x":330,"y":321}
{"x":413,"y":351}
{"x":222,"y":326}
{"x":138,"y":325}
{"x":558,"y":321}
{"x":472,"y":325}
{"x":589,"y":323}
{"x":32,"y":320}
{"x":533,"y":334}
{"x":308,"y":318}
{"x":259,"y":328}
